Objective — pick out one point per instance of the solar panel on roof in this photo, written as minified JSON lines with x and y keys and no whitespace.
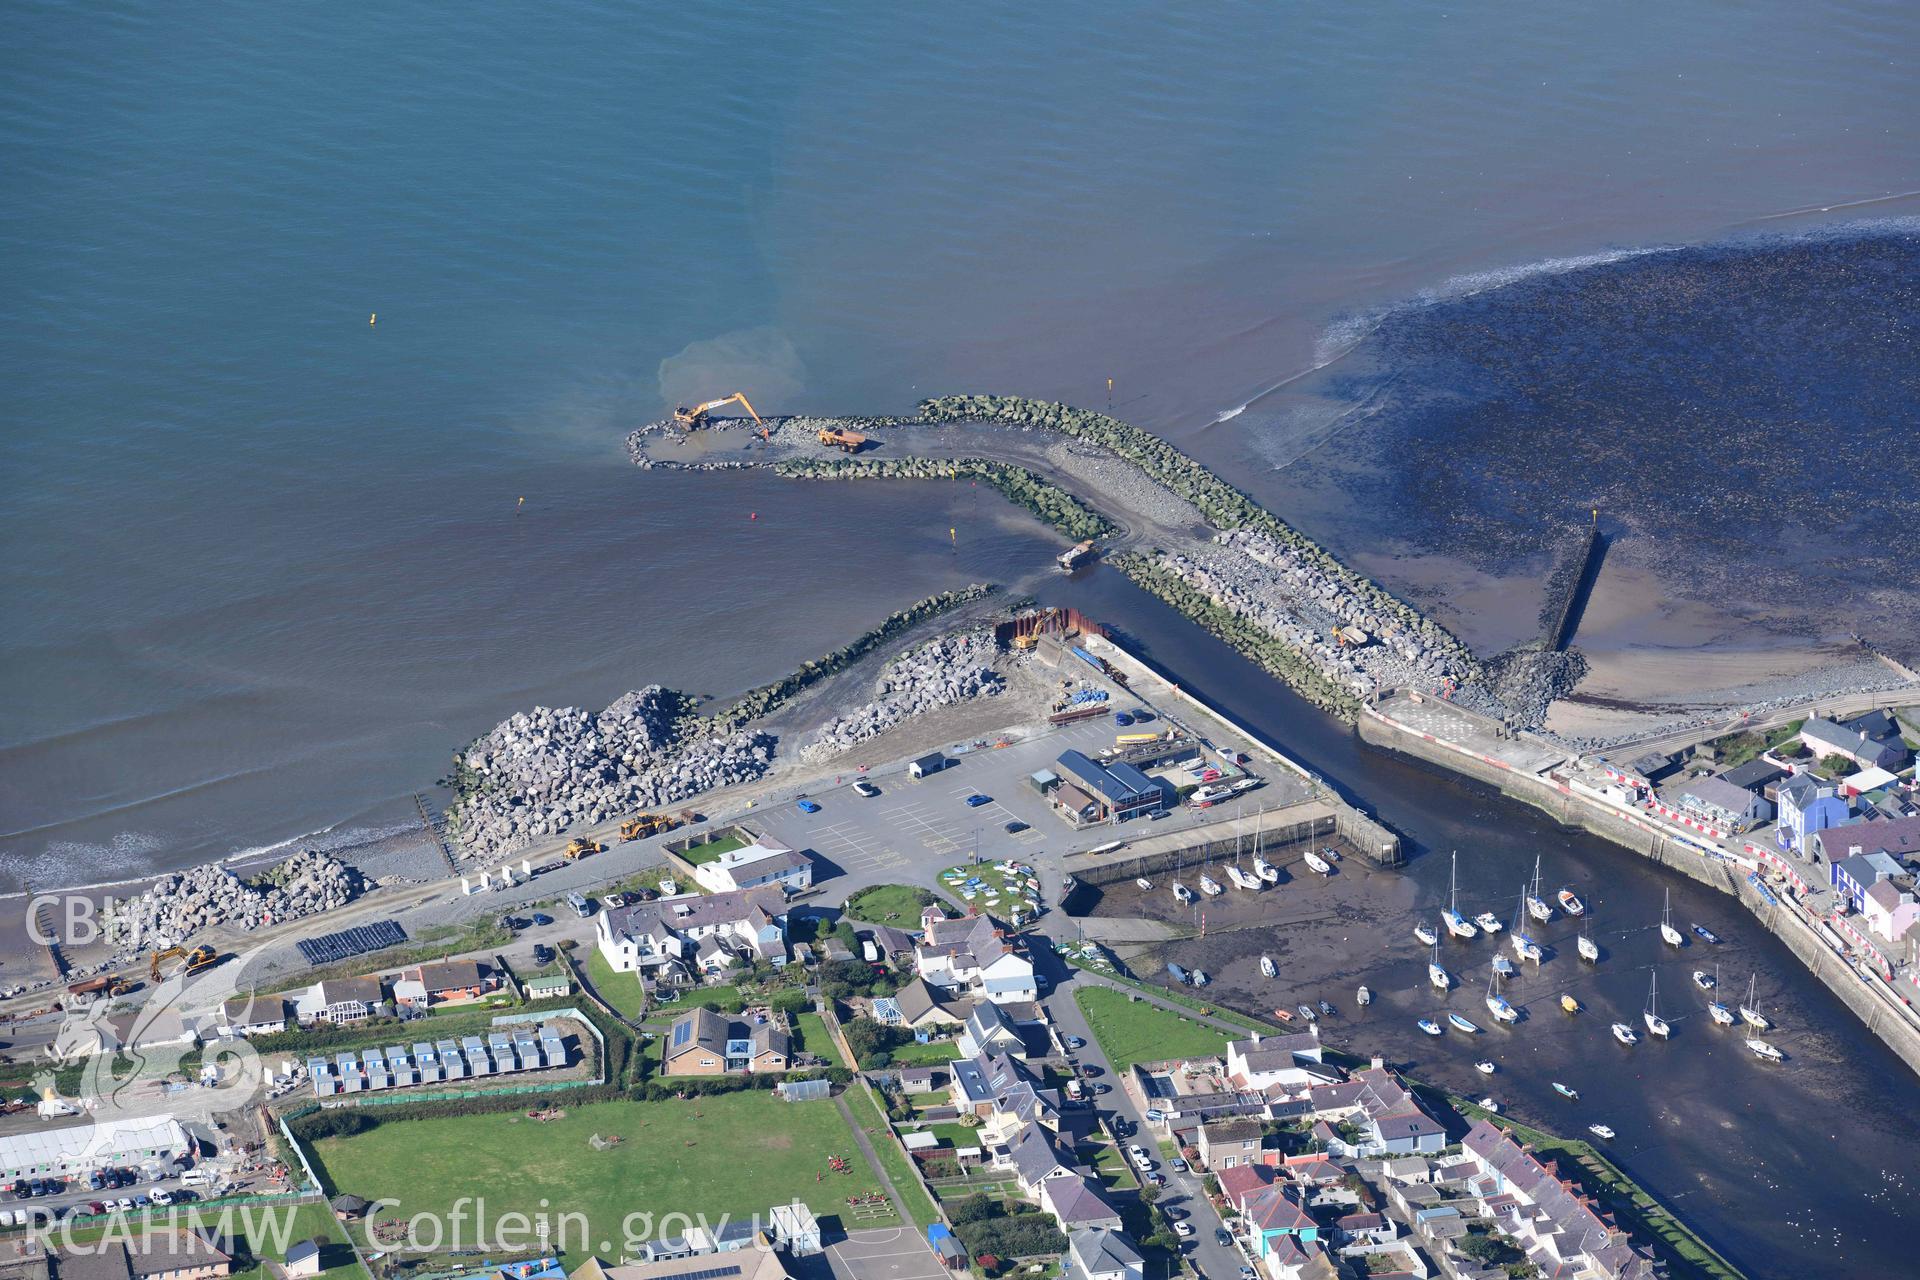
{"x":710,"y":1273}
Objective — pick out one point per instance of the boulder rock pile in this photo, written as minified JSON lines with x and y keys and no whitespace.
{"x":952,"y":669}
{"x":181,"y":905}
{"x":542,"y":771}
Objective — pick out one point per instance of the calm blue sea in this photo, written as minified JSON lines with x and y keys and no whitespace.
{"x":262,"y":569}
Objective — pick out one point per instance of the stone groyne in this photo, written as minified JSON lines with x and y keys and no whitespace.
{"x":1020,"y":486}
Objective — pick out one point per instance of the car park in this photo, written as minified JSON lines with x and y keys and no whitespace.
{"x":975,"y":800}
{"x":808,"y":806}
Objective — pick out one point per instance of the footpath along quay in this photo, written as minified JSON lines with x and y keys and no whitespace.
{"x":1784,"y":893}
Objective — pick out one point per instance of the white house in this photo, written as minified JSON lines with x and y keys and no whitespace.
{"x":245,"y":1016}
{"x":969,"y":955}
{"x":1264,"y":1062}
{"x":338,"y":1000}
{"x":764,"y":862}
{"x":682,"y":936}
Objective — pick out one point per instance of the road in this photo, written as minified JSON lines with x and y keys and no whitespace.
{"x":1182,"y":1190}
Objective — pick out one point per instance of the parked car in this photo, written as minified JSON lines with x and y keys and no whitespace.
{"x":1121,"y":719}
{"x":162,"y":1196}
{"x":543,"y":954}
{"x":123,"y":1205}
{"x":865,"y":789}
{"x":1015,"y":827}
{"x":1103,"y":1087}
{"x":975,"y":800}
{"x":1223,"y":1237}
{"x":1183,"y":1229}
{"x":95,"y":1206}
{"x":1179,"y":1165}
{"x":1075,"y":1042}
{"x":542,"y":920}
{"x":808,"y":806}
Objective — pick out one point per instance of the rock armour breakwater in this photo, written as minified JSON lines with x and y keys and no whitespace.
{"x":179,"y":906}
{"x":952,"y":669}
{"x":541,"y":772}
{"x":1017,"y":484}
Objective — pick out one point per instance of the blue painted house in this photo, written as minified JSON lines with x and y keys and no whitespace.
{"x":1854,"y":876}
{"x":1807,"y":805}
{"x":1276,"y":1212}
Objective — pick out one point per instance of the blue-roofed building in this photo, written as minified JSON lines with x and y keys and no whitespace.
{"x":1096,"y":792}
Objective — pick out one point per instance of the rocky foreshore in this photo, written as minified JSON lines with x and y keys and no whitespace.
{"x":952,"y":669}
{"x":180,"y":905}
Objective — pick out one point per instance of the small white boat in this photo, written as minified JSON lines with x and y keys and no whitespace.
{"x":1721,"y":1014}
{"x":1489,"y":922}
{"x":1425,"y":934}
{"x":1200,"y":978}
{"x":1503,"y":966}
{"x":1429,"y":1026}
{"x":1330,"y":853}
{"x":1210,"y":887}
{"x":1761,"y":1049}
{"x":1589,"y":949}
{"x":1463,"y":1024}
{"x":1181,"y":892}
{"x":1571,"y":904}
{"x":1306,"y":1011}
{"x":1488,"y":1104}
{"x":1566,"y":1091}
{"x":1363,"y":997}
{"x":1438,"y":976}
{"x":1704,"y":980}
{"x":1266,"y":871}
{"x":1601,"y":1131}
{"x":1319,"y":864}
{"x":1266,"y":967}
{"x":1144,"y":883}
{"x":1667,"y":931}
{"x":1656,"y":1023}
{"x":1625,"y":1034}
{"x":1484,"y":1067}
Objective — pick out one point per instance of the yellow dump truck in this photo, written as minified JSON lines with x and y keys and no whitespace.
{"x":841,"y":438}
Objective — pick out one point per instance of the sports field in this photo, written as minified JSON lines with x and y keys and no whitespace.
{"x":736,"y":1153}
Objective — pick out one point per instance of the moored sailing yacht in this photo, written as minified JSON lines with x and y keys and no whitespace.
{"x":1667,"y":931}
{"x":1210,"y":887}
{"x":1721,"y":1014}
{"x":1435,"y":974}
{"x":1750,"y":1011}
{"x":1762,"y":1049}
{"x":1589,"y":949}
{"x":1458,"y":925}
{"x":1425,"y":934}
{"x":1536,"y":905}
{"x":1497,"y":1004}
{"x":1656,"y":1023}
{"x":1524,"y":948}
{"x":1181,"y":893}
{"x":1318,"y":863}
{"x":1266,"y":870}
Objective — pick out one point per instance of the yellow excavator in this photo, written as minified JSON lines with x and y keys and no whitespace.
{"x":697,"y":416}
{"x":197,"y":959}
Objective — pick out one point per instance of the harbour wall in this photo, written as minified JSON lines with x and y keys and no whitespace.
{"x":1568,"y":587}
{"x":1784,"y":919}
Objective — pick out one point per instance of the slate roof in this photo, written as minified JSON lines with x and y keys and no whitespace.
{"x":1034,"y":1154}
{"x":1754,"y":774}
{"x":1718,"y":793}
{"x":1277,"y":1208}
{"x":1076,"y":1200}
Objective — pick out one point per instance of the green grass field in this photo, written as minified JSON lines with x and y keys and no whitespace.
{"x":893,"y":1157}
{"x":895,"y":904}
{"x":692,"y":1156}
{"x":621,"y":990}
{"x":1131,"y":1031}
